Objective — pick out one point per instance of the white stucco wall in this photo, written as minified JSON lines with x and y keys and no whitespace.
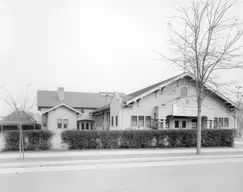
{"x":62,"y":113}
{"x":116,"y":110}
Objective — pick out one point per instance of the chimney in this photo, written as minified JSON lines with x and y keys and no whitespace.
{"x":60,"y":94}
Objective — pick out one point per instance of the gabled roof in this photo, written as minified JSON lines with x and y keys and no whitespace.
{"x":144,"y":90}
{"x":61,"y":105}
{"x":72,"y":99}
{"x":148,"y":90}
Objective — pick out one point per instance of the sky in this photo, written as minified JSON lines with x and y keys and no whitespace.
{"x":87,"y":45}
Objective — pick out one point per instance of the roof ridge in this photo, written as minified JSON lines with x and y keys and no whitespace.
{"x":70,"y":91}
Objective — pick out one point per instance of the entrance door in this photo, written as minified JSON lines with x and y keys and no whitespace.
{"x":180,"y":124}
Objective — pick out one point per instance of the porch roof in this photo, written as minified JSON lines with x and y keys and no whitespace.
{"x":13,"y":122}
{"x":101,"y":109}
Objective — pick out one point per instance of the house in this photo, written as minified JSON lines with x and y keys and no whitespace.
{"x":11,"y":121}
{"x":69,"y":110}
{"x":170,"y":104}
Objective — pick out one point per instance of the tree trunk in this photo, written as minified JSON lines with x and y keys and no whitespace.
{"x":21,"y":141}
{"x":199,"y":123}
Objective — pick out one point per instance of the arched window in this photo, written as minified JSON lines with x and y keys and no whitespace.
{"x":184,"y":92}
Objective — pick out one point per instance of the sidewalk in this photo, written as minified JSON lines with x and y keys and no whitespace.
{"x":119,"y":152}
{"x":10,"y":162}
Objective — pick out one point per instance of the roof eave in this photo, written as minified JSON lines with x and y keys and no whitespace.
{"x":62,"y":104}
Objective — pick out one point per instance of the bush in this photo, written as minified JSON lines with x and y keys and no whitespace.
{"x":77,"y":139}
{"x":33,"y":140}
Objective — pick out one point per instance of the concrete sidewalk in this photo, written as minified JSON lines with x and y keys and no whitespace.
{"x":30,"y":164}
{"x":113,"y":152}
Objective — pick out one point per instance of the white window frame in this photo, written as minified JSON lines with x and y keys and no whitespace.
{"x":184,"y":87}
{"x":136,"y":121}
{"x":142,"y":120}
{"x":59,"y":123}
{"x":148,"y":121}
{"x":227,"y":122}
{"x":116,"y":120}
{"x":65,"y":124}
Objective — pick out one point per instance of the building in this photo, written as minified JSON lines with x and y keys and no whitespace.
{"x":11,"y":122}
{"x":69,"y":110}
{"x":170,"y":104}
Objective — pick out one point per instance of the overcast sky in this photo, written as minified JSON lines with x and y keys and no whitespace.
{"x":86,"y":45}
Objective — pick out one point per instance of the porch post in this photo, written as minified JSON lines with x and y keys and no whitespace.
{"x":212,"y":124}
{"x":159,"y":124}
{"x":207,"y":124}
{"x":163,"y":124}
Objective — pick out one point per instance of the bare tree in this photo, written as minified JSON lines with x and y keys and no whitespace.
{"x":20,"y":107}
{"x":239,"y":95}
{"x":209,"y":43}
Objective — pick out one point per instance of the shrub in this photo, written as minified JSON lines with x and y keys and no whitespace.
{"x":33,"y":140}
{"x":2,"y":141}
{"x":77,"y":139}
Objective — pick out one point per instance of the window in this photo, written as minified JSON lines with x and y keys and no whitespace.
{"x":183,"y":124}
{"x":226,"y":122}
{"x":215,"y":123}
{"x":134,"y":121}
{"x":194,"y":123}
{"x":176,"y":124}
{"x":141,"y":121}
{"x":65,"y":123}
{"x":59,"y":123}
{"x":91,"y":126}
{"x":167,"y":123}
{"x":184,"y":92}
{"x":82,"y":126}
{"x":221,"y":122}
{"x":112,"y":121}
{"x":116,"y":120}
{"x":148,"y":121}
{"x":87,"y":126}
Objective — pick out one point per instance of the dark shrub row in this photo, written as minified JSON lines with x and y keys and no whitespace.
{"x":76,"y":139}
{"x":33,"y":140}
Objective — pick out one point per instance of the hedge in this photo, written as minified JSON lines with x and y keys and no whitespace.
{"x":77,"y":139}
{"x":33,"y":140}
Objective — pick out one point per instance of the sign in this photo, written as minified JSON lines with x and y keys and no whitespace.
{"x":184,"y":110}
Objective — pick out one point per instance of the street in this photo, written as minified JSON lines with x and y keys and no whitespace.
{"x":216,"y":169}
{"x":188,"y":175}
